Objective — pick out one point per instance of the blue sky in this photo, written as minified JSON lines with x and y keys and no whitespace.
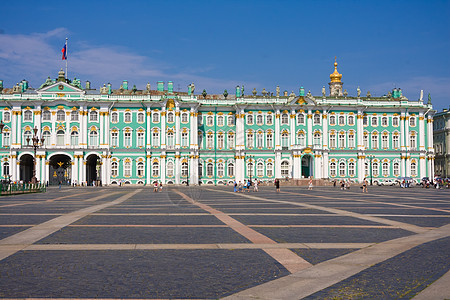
{"x":220,"y":44}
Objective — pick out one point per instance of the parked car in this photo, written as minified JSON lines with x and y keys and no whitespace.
{"x":388,"y":182}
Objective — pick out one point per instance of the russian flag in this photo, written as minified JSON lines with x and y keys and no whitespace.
{"x":64,"y":52}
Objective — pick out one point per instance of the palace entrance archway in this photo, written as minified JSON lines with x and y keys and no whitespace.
{"x":60,"y":170}
{"x":26,"y":167}
{"x":93,"y":170}
{"x":307,"y":166}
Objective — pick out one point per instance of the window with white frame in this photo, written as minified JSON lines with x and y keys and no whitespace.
{"x":114,"y":139}
{"x":114,"y":168}
{"x":155,"y":169}
{"x":259,"y":140}
{"x":284,"y":169}
{"x":6,"y":170}
{"x":269,"y":140}
{"x":396,"y":169}
{"x":366,"y":169}
{"x":170,"y":168}
{"x":384,"y":121}
{"x":127,"y":117}
{"x":220,"y":121}
{"x":333,"y":169}
{"x":230,"y":140}
{"x":170,"y":140}
{"x":140,"y":117}
{"x":300,"y":119}
{"x":332,"y":120}
{"x":269,"y":119}
{"x":384,"y":141}
{"x":316,"y":119}
{"x":114,"y":117}
{"x":374,"y":121}
{"x":60,"y":115}
{"x":285,"y":139}
{"x":93,"y":116}
{"x":46,"y":135}
{"x":260,"y":169}
{"x":127,"y":169}
{"x":200,"y":170}
{"x":210,"y":170}
{"x":341,"y":140}
{"x":74,"y":115}
{"x":220,"y":141}
{"x":200,"y":139}
{"x":317,"y":139}
{"x":170,"y":117}
{"x":351,"y":169}
{"x":250,"y":141}
{"x":155,"y":117}
{"x":73,"y":138}
{"x":28,"y":115}
{"x":60,"y":138}
{"x":230,"y":170}
{"x":342,"y":169}
{"x":209,"y":121}
{"x":412,"y":121}
{"x":7,"y":116}
{"x":375,"y":170}
{"x":184,"y":169}
{"x":269,"y":169}
{"x":374,"y":140}
{"x":220,"y":169}
{"x":249,"y":119}
{"x":27,"y":138}
{"x":284,"y":119}
{"x":332,"y":140}
{"x":385,"y":169}
{"x":366,"y":141}
{"x":351,"y":120}
{"x":230,"y":120}
{"x":395,"y":121}
{"x":365,"y":120}
{"x":184,"y":139}
{"x":155,"y":139}
{"x":140,"y":139}
{"x":184,"y":117}
{"x":127,"y":139}
{"x":412,"y":142}
{"x":200,"y":119}
{"x":140,"y":169}
{"x":301,"y":140}
{"x":259,"y":119}
{"x":6,"y":138}
{"x":341,"y":120}
{"x":351,"y":139}
{"x":209,"y":141}
{"x":395,"y":141}
{"x":413,"y":169}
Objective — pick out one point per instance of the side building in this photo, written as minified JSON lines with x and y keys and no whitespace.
{"x":441,"y":137}
{"x":132,"y":136}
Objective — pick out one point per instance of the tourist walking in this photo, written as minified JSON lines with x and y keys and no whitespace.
{"x":235,"y":186}
{"x":255,"y":186}
{"x":240,"y":187}
{"x":310,"y":184}
{"x":160,"y":186}
{"x":249,"y":184}
{"x":277,"y":185}
{"x":364,"y":185}
{"x":155,"y":187}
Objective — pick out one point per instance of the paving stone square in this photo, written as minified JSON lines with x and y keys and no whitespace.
{"x":208,"y":242}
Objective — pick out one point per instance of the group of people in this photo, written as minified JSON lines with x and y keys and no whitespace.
{"x":157,"y":186}
{"x":242,"y":187}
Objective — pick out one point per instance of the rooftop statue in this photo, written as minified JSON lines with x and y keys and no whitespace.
{"x":278,"y":91}
{"x":429,"y":98}
{"x":358,"y":92}
{"x":192,"y":88}
{"x":323,"y":91}
{"x":345,"y":93}
{"x":254,"y":92}
{"x":148,"y":87}
{"x":264,"y":92}
{"x":368,"y":94}
{"x":104,"y":89}
{"x":47,"y":82}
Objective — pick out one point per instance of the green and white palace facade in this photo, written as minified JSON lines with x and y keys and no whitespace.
{"x":131,"y":136}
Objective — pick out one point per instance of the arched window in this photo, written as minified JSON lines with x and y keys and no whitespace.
{"x":375,"y":170}
{"x":395,"y":141}
{"x":316,"y":119}
{"x":249,"y":119}
{"x":231,"y":120}
{"x":385,"y":169}
{"x":209,"y":121}
{"x":6,"y":138}
{"x":220,"y":121}
{"x":384,"y":141}
{"x":60,"y":116}
{"x":351,"y":120}
{"x":250,"y":141}
{"x":28,"y":115}
{"x":342,"y":169}
{"x":285,"y":169}
{"x":332,"y":120}
{"x":140,"y":117}
{"x":332,"y":140}
{"x":127,"y":117}
{"x":341,"y":120}
{"x":384,"y":121}
{"x":140,"y":169}
{"x":184,"y":169}
{"x":170,"y":118}
{"x":127,"y":169}
{"x":210,"y":170}
{"x":230,"y":140}
{"x":93,"y":138}
{"x":284,"y":119}
{"x":74,"y":138}
{"x":127,"y":139}
{"x":184,"y":117}
{"x":412,"y":121}
{"x":6,"y":116}
{"x":114,"y":168}
{"x":300,"y":119}
{"x":396,"y":169}
{"x":413,"y":169}
{"x":220,"y":140}
{"x":351,"y":169}
{"x":60,"y":138}
{"x":301,"y":141}
{"x":210,"y":140}
{"x":395,"y":121}
{"x":93,"y":116}
{"x":333,"y":169}
{"x":46,"y":115}
{"x":284,"y":139}
{"x":374,"y":121}
{"x":351,"y":139}
{"x":341,"y":140}
{"x":269,"y":119}
{"x":6,"y":170}
{"x":220,"y":170}
{"x":230,"y":170}
{"x":46,"y":136}
{"x":250,"y":170}
{"x":269,"y":169}
{"x":170,"y":140}
{"x":269,"y":140}
{"x":170,"y":169}
{"x":27,"y":136}
{"x":155,"y":139}
{"x":184,"y":139}
{"x":412,"y":141}
{"x":74,"y":115}
{"x":140,"y":139}
{"x":155,"y":117}
{"x":317,"y":139}
{"x":259,"y":140}
{"x":260,"y":169}
{"x":374,"y":140}
{"x":365,"y":121}
{"x":259,"y":119}
{"x":155,"y":169}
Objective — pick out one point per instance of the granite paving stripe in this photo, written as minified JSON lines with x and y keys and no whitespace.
{"x":149,"y":220}
{"x":422,"y":221}
{"x":150,"y":214}
{"x":38,"y":232}
{"x":287,"y":258}
{"x":79,"y":247}
{"x":404,"y":226}
{"x":323,"y":275}
{"x":322,"y":226}
{"x":144,"y":226}
{"x":7,"y":231}
{"x":397,"y":277}
{"x":436,"y":290}
{"x":302,"y":220}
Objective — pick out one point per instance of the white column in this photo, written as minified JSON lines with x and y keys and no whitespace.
{"x":325,"y":131}
{"x":83,"y":170}
{"x":277,"y":131}
{"x":17,"y":166}
{"x":309,"y":131}
{"x":177,"y":168}
{"x":297,"y":165}
{"x":360,"y":166}
{"x":75,"y":169}
{"x":53,"y":134}
{"x":149,"y":170}
{"x":192,"y":130}
{"x":293,"y":133}
{"x":240,"y":129}
{"x":163,"y":129}
{"x":102,"y":132}
{"x":162,"y":167}
{"x":422,"y":132}
{"x":177,"y":128}
{"x":325,"y":163}
{"x":12,"y":167}
{"x":422,"y":166}
{"x":67,"y":131}
{"x":47,"y":171}
{"x":149,"y":132}
{"x":13,"y":131}
{"x":38,"y":169}
{"x":19,"y":128}
{"x":104,"y":168}
{"x":360,"y":132}
{"x":240,"y":167}
{"x":402,"y":144}
{"x":194,"y":176}
{"x":278,"y":164}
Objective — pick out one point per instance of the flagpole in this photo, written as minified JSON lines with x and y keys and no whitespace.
{"x":67,"y":74}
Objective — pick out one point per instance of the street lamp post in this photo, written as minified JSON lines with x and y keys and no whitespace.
{"x":370,"y":161}
{"x":36,"y":143}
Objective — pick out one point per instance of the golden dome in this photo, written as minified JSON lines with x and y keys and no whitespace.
{"x":335,"y":77}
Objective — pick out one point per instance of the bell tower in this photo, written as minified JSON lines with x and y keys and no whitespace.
{"x":335,"y":83}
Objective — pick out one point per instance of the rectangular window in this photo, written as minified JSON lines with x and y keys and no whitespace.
{"x":366,"y":141}
{"x":269,"y":140}
{"x":332,"y":141}
{"x":374,"y":141}
{"x":384,"y":142}
{"x":220,"y":141}
{"x":230,"y":141}
{"x":127,"y":139}
{"x":114,"y":139}
{"x":351,"y":140}
{"x":395,"y":142}
{"x":155,"y":139}
{"x":140,"y":139}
